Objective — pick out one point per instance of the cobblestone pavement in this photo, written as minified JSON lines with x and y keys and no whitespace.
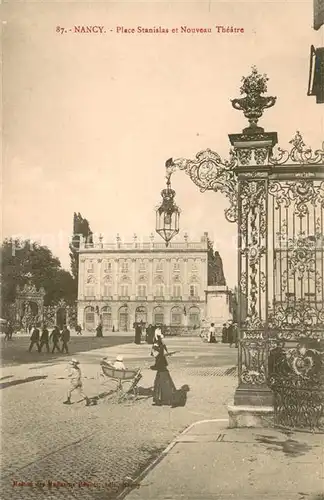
{"x":81,"y":452}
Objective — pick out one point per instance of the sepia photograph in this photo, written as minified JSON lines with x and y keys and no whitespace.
{"x":162,"y":250}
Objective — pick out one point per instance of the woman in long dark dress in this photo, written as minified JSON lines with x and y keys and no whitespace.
{"x":138,"y":333}
{"x":164,"y":388}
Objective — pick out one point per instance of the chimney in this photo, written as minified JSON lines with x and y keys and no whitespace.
{"x":205,"y":236}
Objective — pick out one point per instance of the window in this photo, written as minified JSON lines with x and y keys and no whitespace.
{"x":159,"y":291}
{"x":142,"y":266}
{"x":89,"y":291}
{"x":159,"y":266}
{"x":176,"y":317}
{"x":124,"y":290}
{"x":107,"y":290}
{"x":124,"y":267}
{"x":90,"y":266}
{"x":193,"y":291}
{"x":107,"y":267}
{"x":176,"y":290}
{"x":141,"y":290}
{"x":176,"y":266}
{"x":194,"y":267}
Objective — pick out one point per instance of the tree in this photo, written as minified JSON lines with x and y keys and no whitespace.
{"x":81,"y":228}
{"x":24,"y":261}
{"x":215,"y":267}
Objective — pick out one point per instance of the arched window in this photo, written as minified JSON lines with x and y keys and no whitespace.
{"x":89,"y":318}
{"x":158,"y":316}
{"x":123,"y":319}
{"x":141,"y":314}
{"x":106,"y":317}
{"x":176,"y":316}
{"x":194,"y":317}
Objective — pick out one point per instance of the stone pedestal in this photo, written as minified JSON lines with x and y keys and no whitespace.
{"x":218,"y":307}
{"x":250,"y":416}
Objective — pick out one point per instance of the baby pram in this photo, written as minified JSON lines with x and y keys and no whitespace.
{"x":126,"y":380}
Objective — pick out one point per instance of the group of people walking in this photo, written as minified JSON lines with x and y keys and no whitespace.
{"x":230,"y":333}
{"x":58,"y":338}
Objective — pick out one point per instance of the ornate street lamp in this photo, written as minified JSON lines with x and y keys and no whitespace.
{"x":168,"y":213}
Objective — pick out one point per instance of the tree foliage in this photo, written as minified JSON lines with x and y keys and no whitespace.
{"x":81,"y":229}
{"x":24,"y":261}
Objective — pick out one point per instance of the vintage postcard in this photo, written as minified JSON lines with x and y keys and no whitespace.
{"x":162,"y":269}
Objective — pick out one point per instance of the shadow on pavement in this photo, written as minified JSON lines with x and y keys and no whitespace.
{"x":4,"y":385}
{"x":290,"y":447}
{"x":7,"y":376}
{"x":179,"y":397}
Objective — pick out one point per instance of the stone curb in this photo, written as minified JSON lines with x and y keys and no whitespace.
{"x":162,"y":455}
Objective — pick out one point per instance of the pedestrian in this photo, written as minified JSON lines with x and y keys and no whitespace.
{"x":231,"y":334}
{"x":99,"y":330}
{"x":34,"y":339}
{"x":212,"y":334}
{"x":235,"y":334}
{"x":65,"y":336}
{"x":11,"y":330}
{"x":138,"y":333}
{"x":55,"y":337}
{"x":164,"y":388}
{"x":44,"y":340}
{"x":7,"y":331}
{"x":75,"y":377}
{"x":78,"y":330}
{"x":224,"y":333}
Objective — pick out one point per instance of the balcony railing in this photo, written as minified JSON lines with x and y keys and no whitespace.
{"x":107,"y":297}
{"x":158,"y":297}
{"x":123,"y":297}
{"x":173,"y":297}
{"x":181,"y":245}
{"x":141,"y":297}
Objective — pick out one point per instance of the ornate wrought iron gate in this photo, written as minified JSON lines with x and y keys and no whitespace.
{"x":277,"y":200}
{"x":296,"y":316}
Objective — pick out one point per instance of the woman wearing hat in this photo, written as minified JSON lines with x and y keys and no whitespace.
{"x":164,"y":387}
{"x":75,"y":376}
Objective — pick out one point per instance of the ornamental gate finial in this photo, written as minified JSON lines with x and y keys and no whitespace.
{"x":254,"y":103}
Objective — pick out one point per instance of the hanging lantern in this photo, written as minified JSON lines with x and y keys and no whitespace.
{"x":167,"y":215}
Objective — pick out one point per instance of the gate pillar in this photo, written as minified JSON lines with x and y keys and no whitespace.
{"x":253,"y":398}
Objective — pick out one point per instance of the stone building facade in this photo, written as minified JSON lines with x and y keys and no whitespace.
{"x":122,"y":283}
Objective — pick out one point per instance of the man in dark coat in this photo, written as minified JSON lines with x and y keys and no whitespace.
{"x":65,"y":339}
{"x":55,"y":337}
{"x":224,"y":333}
{"x":34,"y":339}
{"x":44,"y":339}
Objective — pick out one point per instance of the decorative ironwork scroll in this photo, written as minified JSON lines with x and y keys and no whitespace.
{"x":299,"y":154}
{"x":297,"y":379}
{"x":209,"y":172}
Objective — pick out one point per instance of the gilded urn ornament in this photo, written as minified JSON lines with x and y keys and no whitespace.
{"x":254,"y":103}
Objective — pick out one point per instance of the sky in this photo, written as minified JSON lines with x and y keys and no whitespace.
{"x":90,"y":119}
